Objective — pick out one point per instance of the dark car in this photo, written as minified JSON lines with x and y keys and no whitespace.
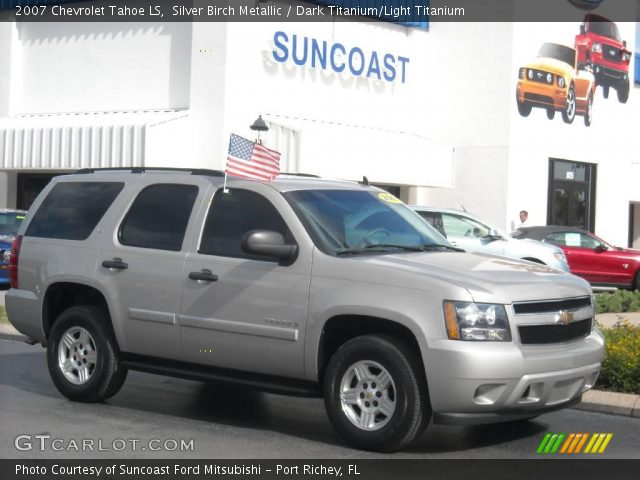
{"x":590,"y":257}
{"x":10,"y":221}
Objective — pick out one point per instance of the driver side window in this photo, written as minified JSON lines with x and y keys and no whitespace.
{"x":234,"y":213}
{"x":457,"y":226}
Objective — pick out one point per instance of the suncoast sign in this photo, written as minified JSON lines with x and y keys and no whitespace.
{"x":339,"y":58}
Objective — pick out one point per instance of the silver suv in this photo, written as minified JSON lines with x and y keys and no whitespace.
{"x":301,"y":286}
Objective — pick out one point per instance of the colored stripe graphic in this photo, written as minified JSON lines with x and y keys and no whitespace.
{"x":573,"y":443}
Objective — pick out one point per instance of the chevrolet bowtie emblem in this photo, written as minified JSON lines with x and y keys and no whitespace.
{"x":564,"y":317}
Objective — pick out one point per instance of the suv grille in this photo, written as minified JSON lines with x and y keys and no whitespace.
{"x":612,"y":53}
{"x":551,"y":306}
{"x":540,"y":334}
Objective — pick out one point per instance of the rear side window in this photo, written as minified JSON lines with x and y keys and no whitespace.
{"x":158,"y":217}
{"x":72,"y":210}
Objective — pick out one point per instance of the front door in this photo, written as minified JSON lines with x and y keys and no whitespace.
{"x":247,"y":312}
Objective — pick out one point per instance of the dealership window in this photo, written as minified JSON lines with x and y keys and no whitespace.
{"x":571,"y":197}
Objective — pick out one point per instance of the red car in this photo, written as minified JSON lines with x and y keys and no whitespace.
{"x":601,"y":49}
{"x":590,"y":257}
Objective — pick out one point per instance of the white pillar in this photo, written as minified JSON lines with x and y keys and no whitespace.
{"x":207,"y":94}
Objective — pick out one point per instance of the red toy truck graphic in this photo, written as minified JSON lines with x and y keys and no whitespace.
{"x":601,"y":48}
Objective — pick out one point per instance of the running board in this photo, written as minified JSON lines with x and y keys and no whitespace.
{"x":194,"y":371}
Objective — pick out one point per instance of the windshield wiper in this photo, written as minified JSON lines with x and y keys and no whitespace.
{"x":438,"y":246}
{"x":383,"y":247}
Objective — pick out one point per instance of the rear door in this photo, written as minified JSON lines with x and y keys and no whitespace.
{"x":252,"y":315}
{"x":141,"y":262}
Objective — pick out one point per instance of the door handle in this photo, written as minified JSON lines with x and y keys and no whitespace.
{"x":116,"y":264}
{"x":204,"y":275}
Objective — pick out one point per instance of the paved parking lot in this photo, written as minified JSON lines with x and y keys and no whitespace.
{"x":235,"y":423}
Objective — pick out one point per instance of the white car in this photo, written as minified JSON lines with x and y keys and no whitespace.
{"x":471,"y":234}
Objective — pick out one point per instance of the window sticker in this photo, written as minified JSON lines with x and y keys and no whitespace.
{"x":572,"y":239}
{"x":387,"y":197}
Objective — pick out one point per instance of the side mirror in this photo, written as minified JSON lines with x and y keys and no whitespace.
{"x":493,"y":235}
{"x":582,"y":30}
{"x":267,"y":243}
{"x":600,"y":248}
{"x":624,"y":43}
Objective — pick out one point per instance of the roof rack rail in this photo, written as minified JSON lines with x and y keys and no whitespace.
{"x":308,"y":175}
{"x":193,"y":171}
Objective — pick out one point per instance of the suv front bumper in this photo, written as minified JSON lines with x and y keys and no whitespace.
{"x":483,"y":382}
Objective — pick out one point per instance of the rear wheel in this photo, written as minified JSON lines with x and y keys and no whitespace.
{"x":636,"y":282}
{"x":82,"y":355}
{"x":551,"y":113}
{"x":375,"y":393}
{"x":605,"y":91}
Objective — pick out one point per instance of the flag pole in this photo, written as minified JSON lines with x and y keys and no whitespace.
{"x":224,"y":186}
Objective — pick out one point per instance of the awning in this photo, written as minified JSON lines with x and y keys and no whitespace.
{"x":78,"y":140}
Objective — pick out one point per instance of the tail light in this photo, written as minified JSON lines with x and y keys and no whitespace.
{"x":13,"y":261}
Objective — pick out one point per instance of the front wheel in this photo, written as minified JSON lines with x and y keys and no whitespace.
{"x":375,"y":393}
{"x":82,"y":355}
{"x":636,"y":282}
{"x":623,"y":92}
{"x":524,"y":108}
{"x":588,"y":114}
{"x":569,"y":113}
{"x":551,"y":113}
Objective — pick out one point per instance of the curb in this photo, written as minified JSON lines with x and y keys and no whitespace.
{"x":613,"y":403}
{"x":7,"y":332}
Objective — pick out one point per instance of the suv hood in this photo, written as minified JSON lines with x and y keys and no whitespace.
{"x":487,"y":278}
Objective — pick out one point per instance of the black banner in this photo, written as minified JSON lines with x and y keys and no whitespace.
{"x":430,"y":12}
{"x":583,"y":469}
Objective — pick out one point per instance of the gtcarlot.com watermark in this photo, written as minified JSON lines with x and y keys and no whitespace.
{"x":44,"y":442}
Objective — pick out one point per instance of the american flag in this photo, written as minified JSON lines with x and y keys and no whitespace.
{"x":251,"y":160}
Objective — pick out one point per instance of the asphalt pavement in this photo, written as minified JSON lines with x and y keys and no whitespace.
{"x":228,"y":422}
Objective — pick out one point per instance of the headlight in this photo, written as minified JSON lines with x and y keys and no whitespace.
{"x":476,"y":322}
{"x":549,"y":78}
{"x":561,"y":82}
{"x":530,"y":74}
{"x":596,"y":47}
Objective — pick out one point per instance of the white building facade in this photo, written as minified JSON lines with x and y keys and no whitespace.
{"x":431,"y":112}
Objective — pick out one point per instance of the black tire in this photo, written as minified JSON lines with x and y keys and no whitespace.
{"x":623,"y":92}
{"x":551,"y":113}
{"x":636,"y":282}
{"x":106,"y":376}
{"x":588,"y":114}
{"x":524,"y":108}
{"x":569,"y":113}
{"x":412,"y":409}
{"x":605,"y":91}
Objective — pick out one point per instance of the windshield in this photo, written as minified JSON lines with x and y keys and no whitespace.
{"x":10,"y":223}
{"x":605,"y":29}
{"x":351,"y":221}
{"x":559,"y":52}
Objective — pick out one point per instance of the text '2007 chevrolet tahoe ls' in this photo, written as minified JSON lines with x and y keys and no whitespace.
{"x":302,"y":286}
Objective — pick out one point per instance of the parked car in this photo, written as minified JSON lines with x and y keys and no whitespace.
{"x":10,"y":221}
{"x":301,"y":286}
{"x":555,"y":82}
{"x":590,"y":257}
{"x":602,"y":50}
{"x":468,"y":232}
